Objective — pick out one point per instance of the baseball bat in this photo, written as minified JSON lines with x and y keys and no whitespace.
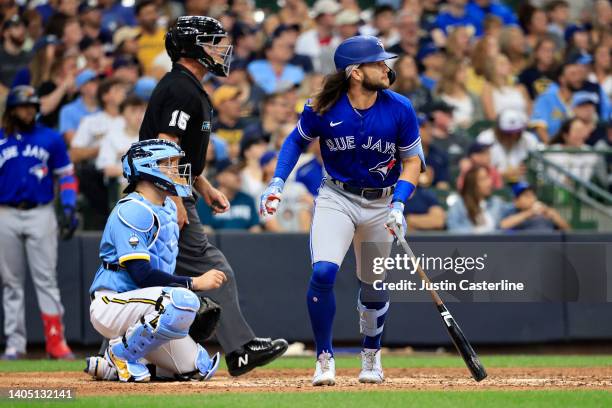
{"x":462,"y":345}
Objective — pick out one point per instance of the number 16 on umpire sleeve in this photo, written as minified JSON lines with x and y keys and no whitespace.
{"x":180,"y":119}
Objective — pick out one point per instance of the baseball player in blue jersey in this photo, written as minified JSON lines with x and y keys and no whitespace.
{"x":372,"y":155}
{"x":137,"y":301}
{"x":32,"y":158}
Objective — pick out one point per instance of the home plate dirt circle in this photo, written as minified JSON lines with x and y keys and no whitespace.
{"x":298,"y":380}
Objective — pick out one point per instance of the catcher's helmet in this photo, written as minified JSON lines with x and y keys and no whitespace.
{"x":203,"y":39}
{"x":360,"y":49}
{"x":142,"y":162}
{"x":22,"y":95}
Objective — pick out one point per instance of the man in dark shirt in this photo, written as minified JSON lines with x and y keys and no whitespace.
{"x":12,"y":55}
{"x":243,"y":214}
{"x":529,"y":214}
{"x":180,"y":110}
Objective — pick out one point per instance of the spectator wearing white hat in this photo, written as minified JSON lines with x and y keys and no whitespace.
{"x":348,"y":22}
{"x":510,"y":144}
{"x":313,"y":42}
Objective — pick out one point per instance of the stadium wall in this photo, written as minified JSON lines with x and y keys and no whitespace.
{"x":273,"y":272}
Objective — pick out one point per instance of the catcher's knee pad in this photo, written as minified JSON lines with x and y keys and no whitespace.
{"x":178,"y":315}
{"x":324,"y":273}
{"x":372,"y":320}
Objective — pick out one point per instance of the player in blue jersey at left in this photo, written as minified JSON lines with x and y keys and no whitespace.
{"x":372,"y":158}
{"x":137,"y":301}
{"x":32,"y":159}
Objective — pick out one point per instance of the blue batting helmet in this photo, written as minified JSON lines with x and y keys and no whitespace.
{"x":22,"y":95}
{"x":142,"y":162}
{"x":359,"y":50}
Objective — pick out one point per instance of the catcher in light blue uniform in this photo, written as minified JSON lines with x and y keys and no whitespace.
{"x":137,"y":301}
{"x":372,"y":155}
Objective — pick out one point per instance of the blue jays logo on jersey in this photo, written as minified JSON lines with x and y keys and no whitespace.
{"x":40,"y":171}
{"x":383,"y":168}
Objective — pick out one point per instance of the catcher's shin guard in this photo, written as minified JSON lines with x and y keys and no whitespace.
{"x":207,"y":366}
{"x":172,"y":323}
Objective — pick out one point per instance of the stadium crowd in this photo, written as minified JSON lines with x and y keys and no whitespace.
{"x":490,"y":81}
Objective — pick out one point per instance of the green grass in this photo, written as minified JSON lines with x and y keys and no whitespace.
{"x":421,"y":399}
{"x":343,"y":361}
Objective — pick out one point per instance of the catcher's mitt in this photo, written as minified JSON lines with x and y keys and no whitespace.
{"x":206,"y":320}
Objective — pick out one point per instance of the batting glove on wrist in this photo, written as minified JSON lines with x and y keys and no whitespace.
{"x":396,"y":219}
{"x":271,"y":197}
{"x":68,"y":222}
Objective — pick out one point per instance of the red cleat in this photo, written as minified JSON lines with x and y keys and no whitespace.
{"x":54,"y":334}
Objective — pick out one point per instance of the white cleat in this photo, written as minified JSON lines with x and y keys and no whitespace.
{"x":325,"y":371}
{"x":371,"y":367}
{"x":100,"y":369}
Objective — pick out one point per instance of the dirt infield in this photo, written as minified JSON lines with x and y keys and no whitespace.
{"x":299,"y":380}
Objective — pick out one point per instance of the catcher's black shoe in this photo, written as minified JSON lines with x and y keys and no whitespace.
{"x":255,"y":353}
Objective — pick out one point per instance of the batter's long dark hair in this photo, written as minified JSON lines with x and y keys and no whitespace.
{"x":334,"y":85}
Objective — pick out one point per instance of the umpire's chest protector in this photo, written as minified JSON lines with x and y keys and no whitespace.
{"x":164,"y":248}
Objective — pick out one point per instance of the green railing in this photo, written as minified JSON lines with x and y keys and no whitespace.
{"x":576,"y":182}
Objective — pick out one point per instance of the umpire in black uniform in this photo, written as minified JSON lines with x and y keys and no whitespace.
{"x":180,"y":110}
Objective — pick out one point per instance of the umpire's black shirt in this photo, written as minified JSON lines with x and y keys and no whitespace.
{"x":179,"y":106}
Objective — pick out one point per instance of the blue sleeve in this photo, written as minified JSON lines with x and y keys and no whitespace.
{"x":409,"y":143}
{"x":67,"y":120}
{"x":297,"y":141}
{"x":59,"y":162}
{"x":441,"y":22}
{"x":541,"y":112}
{"x":61,"y":166}
{"x":130,"y":243}
{"x":22,"y":77}
{"x":145,"y":276}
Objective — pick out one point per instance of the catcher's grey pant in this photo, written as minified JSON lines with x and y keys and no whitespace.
{"x":114,"y":314}
{"x":196,"y":256}
{"x":27,"y":236}
{"x":340,"y":218}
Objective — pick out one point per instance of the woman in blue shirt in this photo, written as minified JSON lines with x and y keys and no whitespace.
{"x":476,"y":211}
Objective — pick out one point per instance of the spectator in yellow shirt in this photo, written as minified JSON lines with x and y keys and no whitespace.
{"x":151,"y":40}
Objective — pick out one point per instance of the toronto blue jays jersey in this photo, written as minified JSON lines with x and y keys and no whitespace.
{"x":28,"y":163}
{"x":137,"y":229}
{"x":364,"y":148}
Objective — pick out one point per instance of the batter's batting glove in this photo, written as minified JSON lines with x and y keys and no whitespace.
{"x":68,"y":223}
{"x":396,"y":220}
{"x":271,"y":197}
